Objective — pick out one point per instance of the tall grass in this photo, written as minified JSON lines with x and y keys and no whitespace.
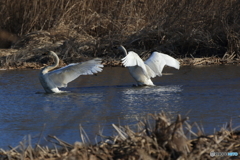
{"x":157,"y":136}
{"x":177,"y":27}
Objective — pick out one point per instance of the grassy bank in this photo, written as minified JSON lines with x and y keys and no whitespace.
{"x":158,"y":136}
{"x":79,"y":29}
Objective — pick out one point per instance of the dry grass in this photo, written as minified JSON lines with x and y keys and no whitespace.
{"x":181,"y":28}
{"x":157,"y":137}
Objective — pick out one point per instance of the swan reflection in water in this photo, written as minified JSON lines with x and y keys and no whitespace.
{"x":153,"y":89}
{"x":102,"y":103}
{"x":138,"y":101}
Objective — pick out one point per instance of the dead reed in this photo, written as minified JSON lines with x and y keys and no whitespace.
{"x":181,"y":28}
{"x":158,"y":136}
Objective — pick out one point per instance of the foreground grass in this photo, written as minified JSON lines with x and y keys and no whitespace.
{"x":157,"y":137}
{"x":79,"y":29}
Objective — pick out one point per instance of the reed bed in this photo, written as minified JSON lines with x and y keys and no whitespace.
{"x":86,"y":28}
{"x":158,"y":136}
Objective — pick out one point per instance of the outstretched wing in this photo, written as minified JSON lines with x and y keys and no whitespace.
{"x":61,"y":77}
{"x":157,"y":61}
{"x":132,"y":59}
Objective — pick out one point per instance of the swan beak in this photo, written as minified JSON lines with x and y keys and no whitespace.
{"x":45,"y":53}
{"x":119,"y":47}
{"x":115,"y":48}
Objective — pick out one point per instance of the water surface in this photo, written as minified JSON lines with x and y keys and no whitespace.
{"x":208,"y":95}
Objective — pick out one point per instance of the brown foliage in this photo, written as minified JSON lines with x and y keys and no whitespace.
{"x":156,"y":137}
{"x":178,"y":27}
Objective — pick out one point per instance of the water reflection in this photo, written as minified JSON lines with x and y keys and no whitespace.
{"x":137,"y":101}
{"x":149,"y":99}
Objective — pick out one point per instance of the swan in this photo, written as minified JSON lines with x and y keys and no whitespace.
{"x":59,"y":78}
{"x":143,"y":71}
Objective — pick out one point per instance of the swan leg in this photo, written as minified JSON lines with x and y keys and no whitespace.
{"x":135,"y":85}
{"x":142,"y":85}
{"x":56,"y":90}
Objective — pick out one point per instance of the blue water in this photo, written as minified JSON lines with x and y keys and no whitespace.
{"x":207,"y":95}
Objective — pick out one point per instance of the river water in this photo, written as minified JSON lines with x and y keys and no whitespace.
{"x":208,"y":95}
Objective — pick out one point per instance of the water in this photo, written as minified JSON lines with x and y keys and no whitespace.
{"x":208,"y":95}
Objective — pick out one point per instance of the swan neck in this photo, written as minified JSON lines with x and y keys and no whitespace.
{"x":56,"y":63}
{"x":123,"y":49}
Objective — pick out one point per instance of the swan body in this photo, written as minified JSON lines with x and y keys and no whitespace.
{"x":52,"y":81}
{"x":143,"y":71}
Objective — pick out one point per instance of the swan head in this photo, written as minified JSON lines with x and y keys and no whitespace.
{"x":55,"y":59}
{"x":49,"y":53}
{"x":123,"y":49}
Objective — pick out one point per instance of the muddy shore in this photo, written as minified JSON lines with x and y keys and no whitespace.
{"x":9,"y":60}
{"x":34,"y":61}
{"x":27,"y":53}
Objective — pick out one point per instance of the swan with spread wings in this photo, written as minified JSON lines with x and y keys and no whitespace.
{"x":53,"y":80}
{"x":143,"y":71}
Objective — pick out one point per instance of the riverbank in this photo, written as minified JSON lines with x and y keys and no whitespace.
{"x":27,"y":53}
{"x":107,"y":62}
{"x":158,"y":136}
{"x":9,"y":64}
{"x":195,"y":32}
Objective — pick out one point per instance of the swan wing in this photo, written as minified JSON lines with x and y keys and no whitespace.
{"x":157,"y":61}
{"x":61,"y":77}
{"x":132,"y":59}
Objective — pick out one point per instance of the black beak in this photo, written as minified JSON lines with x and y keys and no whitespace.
{"x":115,"y":48}
{"x":45,"y":53}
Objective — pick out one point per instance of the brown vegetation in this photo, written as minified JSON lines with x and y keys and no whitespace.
{"x":7,"y":39}
{"x":157,"y":137}
{"x":77,"y":29}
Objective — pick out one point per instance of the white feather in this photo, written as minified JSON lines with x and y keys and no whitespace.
{"x":141,"y":71}
{"x":157,"y":61}
{"x":132,"y":59}
{"x":59,"y":78}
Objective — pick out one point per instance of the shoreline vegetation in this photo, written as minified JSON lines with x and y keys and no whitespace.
{"x":157,"y":136}
{"x":199,"y":32}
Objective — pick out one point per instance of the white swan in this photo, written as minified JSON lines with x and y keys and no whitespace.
{"x":59,"y":78}
{"x":141,"y":71}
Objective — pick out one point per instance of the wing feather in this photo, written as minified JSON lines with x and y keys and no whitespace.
{"x":132,"y":59}
{"x":61,"y":77}
{"x":157,"y":61}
